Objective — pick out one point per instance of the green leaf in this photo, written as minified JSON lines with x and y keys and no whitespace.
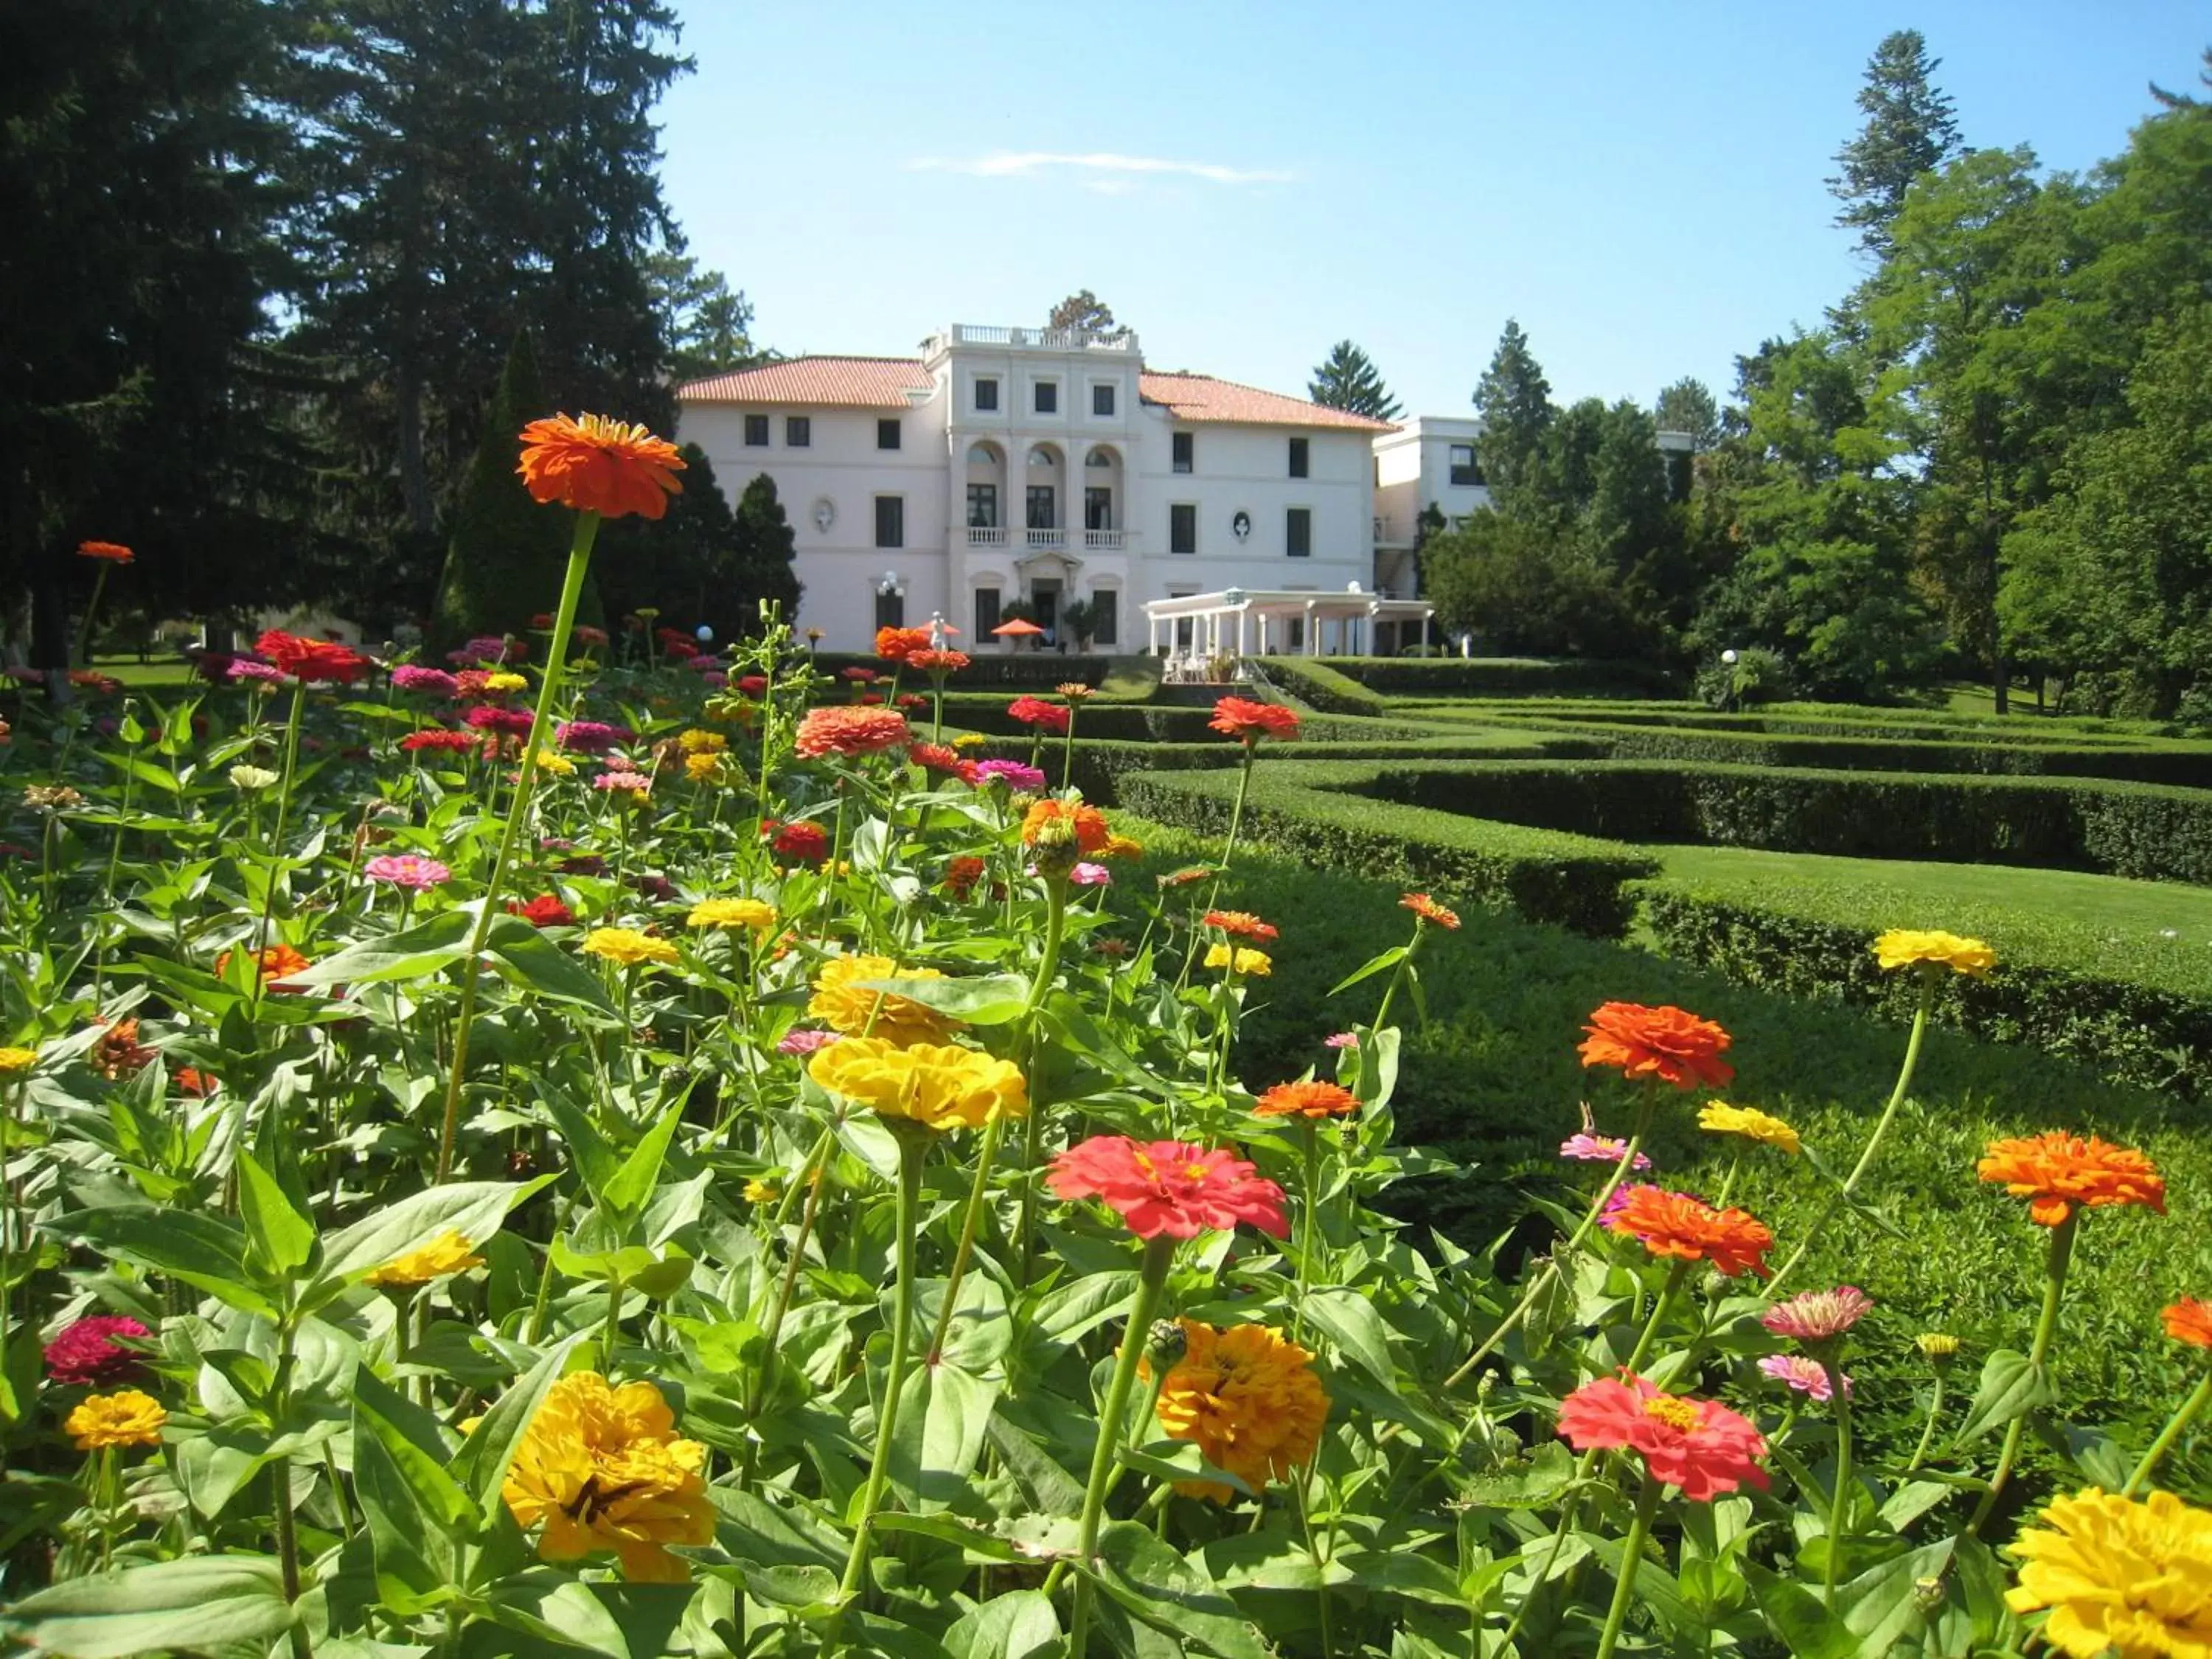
{"x":474,"y":1209}
{"x":633,"y":1184}
{"x":417,"y":1449}
{"x":1171,"y":1594}
{"x":197,"y":1604}
{"x":1009,"y":1626}
{"x":943,"y":1412}
{"x":201,"y":1250}
{"x":401,"y":1539}
{"x":416,"y":953}
{"x":1176,"y":1461}
{"x":981,"y":1546}
{"x":1073,"y":1309}
{"x":2010,"y":1388}
{"x":481,"y":1463}
{"x":986,"y":999}
{"x":522,"y":956}
{"x":1350,"y":1320}
{"x":281,"y":1238}
{"x":1796,"y":1616}
{"x":1389,"y":958}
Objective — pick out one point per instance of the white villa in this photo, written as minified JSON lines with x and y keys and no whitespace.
{"x":1050,"y":465}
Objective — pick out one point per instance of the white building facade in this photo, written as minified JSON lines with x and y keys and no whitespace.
{"x":1046,"y":466}
{"x":1427,"y":461}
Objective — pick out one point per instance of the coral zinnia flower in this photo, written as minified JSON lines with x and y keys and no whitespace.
{"x":899,"y":644}
{"x":543,"y":911}
{"x":1248,"y":1399}
{"x":114,"y":552}
{"x":1806,"y":1376}
{"x":1699,"y":1446}
{"x":732,"y":913}
{"x":129,"y":1418}
{"x":1092,"y":834}
{"x":937,"y":662}
{"x":2059,"y":1170}
{"x":938,"y":757}
{"x":445,"y":1255}
{"x":1036,"y":713}
{"x":1676,"y":1226}
{"x":1249,"y":722}
{"x":1169,"y":1186}
{"x":1718,"y":1117}
{"x":1816,"y":1316}
{"x":603,"y":1468}
{"x":597,"y":465}
{"x":1905,"y":947}
{"x":1429,"y":910}
{"x":1256,"y":963}
{"x":1664,"y":1042}
{"x":1313,"y":1099}
{"x":1241,"y":924}
{"x":839,"y":1000}
{"x":2119,"y":1577}
{"x":278,"y":962}
{"x":939,"y":1087}
{"x":848,"y":731}
{"x":310,"y":660}
{"x":961,"y":874}
{"x":2186,"y":1321}
{"x":84,"y":1352}
{"x":627,"y":947}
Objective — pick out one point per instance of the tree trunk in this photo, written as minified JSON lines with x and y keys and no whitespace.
{"x":50,"y":629}
{"x":414,"y":476}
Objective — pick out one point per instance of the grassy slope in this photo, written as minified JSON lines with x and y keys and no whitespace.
{"x":1494,"y":1081}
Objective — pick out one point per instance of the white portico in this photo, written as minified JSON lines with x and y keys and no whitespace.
{"x":1240,"y":622}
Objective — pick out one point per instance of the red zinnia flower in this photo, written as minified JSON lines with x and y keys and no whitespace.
{"x":1037,"y":713}
{"x":1169,"y":1186}
{"x":1663,"y":1043}
{"x":545,"y":911}
{"x":807,"y":842}
{"x":753,"y":685}
{"x":938,"y":757}
{"x":597,"y":465}
{"x":84,"y":1352}
{"x":1699,"y":1446}
{"x":1314,"y":1099}
{"x":515,"y":722}
{"x":1249,"y":722}
{"x":437,"y":736}
{"x":962,"y":875}
{"x":119,"y":1054}
{"x":899,"y":644}
{"x":1241,"y":924}
{"x":859,"y":676}
{"x":114,"y":552}
{"x":1684,"y":1229}
{"x":591,"y":638}
{"x":850,"y":731}
{"x":312,"y":659}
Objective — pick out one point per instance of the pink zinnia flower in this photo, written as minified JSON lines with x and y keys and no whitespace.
{"x":414,"y":677}
{"x":409,"y":870}
{"x":589,"y":737}
{"x":1806,"y":1376}
{"x":245,"y":668}
{"x":804,"y":1043}
{"x":86,"y":1354}
{"x":1091,"y":875}
{"x":1341,"y":1040}
{"x":622,"y":780}
{"x":1817,"y":1316}
{"x":1601,"y":1149}
{"x":1020,"y":778}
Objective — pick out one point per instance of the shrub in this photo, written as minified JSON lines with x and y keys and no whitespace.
{"x":1317,"y":685}
{"x":1506,"y":677}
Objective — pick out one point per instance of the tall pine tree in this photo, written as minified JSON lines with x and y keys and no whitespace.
{"x":1347,"y":379}
{"x":1910,"y":130}
{"x":1515,"y":401}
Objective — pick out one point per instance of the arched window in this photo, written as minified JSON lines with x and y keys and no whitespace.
{"x":982,"y":455}
{"x":1043,"y":456}
{"x":1099,"y":457}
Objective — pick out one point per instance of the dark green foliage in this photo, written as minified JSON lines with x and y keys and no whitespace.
{"x":1319,"y":686}
{"x":1085,"y":311}
{"x":1515,"y":401}
{"x":701,"y":562}
{"x":2184,"y":765}
{"x":505,"y":561}
{"x":1347,"y":379}
{"x":1910,"y":129}
{"x":1501,"y":677}
{"x":988,"y":665}
{"x":1688,"y":406}
{"x":708,"y":324}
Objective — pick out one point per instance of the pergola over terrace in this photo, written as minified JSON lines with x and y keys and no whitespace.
{"x":1249,"y":622}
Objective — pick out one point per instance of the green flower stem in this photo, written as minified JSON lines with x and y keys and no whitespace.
{"x":572,"y":591}
{"x":914,"y":1147}
{"x":2191,"y":1408}
{"x":986,"y":1156}
{"x":1055,"y":930}
{"x":1836,"y":1200}
{"x":1398,"y":976}
{"x":276,"y":841}
{"x":91,"y":611}
{"x":1840,"y":1508}
{"x":2046,"y":1329}
{"x":1928,"y":1434}
{"x":1067,"y":748}
{"x":1152,"y":1282}
{"x":610,"y":1334}
{"x":1631,"y":1557}
{"x":1309,"y":1221}
{"x":1649,"y":1337}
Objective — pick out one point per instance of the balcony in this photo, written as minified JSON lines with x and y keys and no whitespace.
{"x":1046,"y":541}
{"x":986,"y":535}
{"x":1106,"y":541}
{"x":1032,"y":339}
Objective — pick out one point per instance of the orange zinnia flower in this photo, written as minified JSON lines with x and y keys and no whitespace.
{"x":899,"y":644}
{"x":598,"y":465}
{"x":1091,"y":831}
{"x":2059,"y":1170}
{"x":1249,"y":722}
{"x":278,"y":963}
{"x":1664,"y":1042}
{"x":2190,"y":1320}
{"x":1240,"y":924}
{"x":1677,"y":1226}
{"x":114,"y":552}
{"x":1313,"y":1099}
{"x":937,"y":662}
{"x":1429,"y":910}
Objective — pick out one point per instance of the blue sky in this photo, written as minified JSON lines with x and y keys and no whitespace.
{"x":1639,"y":184}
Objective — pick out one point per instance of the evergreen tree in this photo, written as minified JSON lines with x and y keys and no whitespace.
{"x":701,"y":562}
{"x":1347,"y":379}
{"x":708,"y":324}
{"x":503,"y":563}
{"x":766,"y":551}
{"x":1085,"y":311}
{"x":1688,"y":406}
{"x":1910,"y":130}
{"x":1515,"y":401}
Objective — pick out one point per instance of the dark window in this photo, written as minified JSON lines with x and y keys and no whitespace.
{"x":798,"y":431}
{"x":1183,"y":527}
{"x":1048,"y":396}
{"x":1040,"y":504}
{"x":982,"y":506}
{"x":1097,"y":508}
{"x":987,"y":613}
{"x":890,"y":609}
{"x":890,"y":521}
{"x":1105,"y":616}
{"x":1183,"y":446}
{"x":1465,"y":470}
{"x":987,"y":393}
{"x":887,"y":434}
{"x":1102,"y":400}
{"x":1298,"y":533}
{"x":756,"y":432}
{"x":1299,"y":457}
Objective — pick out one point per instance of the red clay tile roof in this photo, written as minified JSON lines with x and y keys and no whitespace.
{"x":1200,"y":397}
{"x":834,"y":382}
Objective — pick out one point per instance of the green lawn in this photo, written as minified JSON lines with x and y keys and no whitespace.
{"x":161,"y":671}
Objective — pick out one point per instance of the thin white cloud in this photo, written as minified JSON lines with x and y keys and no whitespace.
{"x":1108,"y":167}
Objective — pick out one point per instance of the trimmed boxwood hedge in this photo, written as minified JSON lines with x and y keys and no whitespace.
{"x":1571,"y":881}
{"x":1503,"y":676}
{"x":2190,"y":766}
{"x":2148,"y":830}
{"x":1315,"y":685}
{"x":989,"y":666}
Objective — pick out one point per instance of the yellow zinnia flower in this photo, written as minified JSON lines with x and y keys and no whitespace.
{"x":939,"y":1087}
{"x":1902,"y":947}
{"x":1239,"y":960}
{"x":1248,"y":1399}
{"x":970,"y":740}
{"x":17,"y":1060}
{"x":696,"y":742}
{"x":1718,"y":1117}
{"x":733,"y":912}
{"x":129,"y":1418}
{"x":2119,"y":1576}
{"x":761,"y":1192}
{"x":603,"y":1468}
{"x":447,"y":1253}
{"x":876,"y":1013}
{"x":556,"y":765}
{"x":1122,"y":846}
{"x":627,"y":947}
{"x":703,"y":768}
{"x":504,"y":681}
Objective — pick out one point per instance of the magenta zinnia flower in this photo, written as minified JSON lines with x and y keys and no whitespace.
{"x":1600,"y":1149}
{"x":1817,"y":1316}
{"x":589,"y":737}
{"x":1806,"y":1376}
{"x":86,"y":1354}
{"x":245,"y":668}
{"x":409,"y":870}
{"x":515,"y":722}
{"x":1024,"y":780}
{"x":414,"y":677}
